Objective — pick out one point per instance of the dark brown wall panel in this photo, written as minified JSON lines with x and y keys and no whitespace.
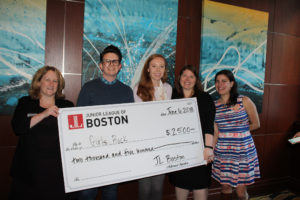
{"x":263,"y":117}
{"x":7,"y":136}
{"x":269,"y":57}
{"x":55,"y":24}
{"x":276,"y":156}
{"x":259,"y":141}
{"x":8,"y":143}
{"x":6,"y":155}
{"x":73,"y":37}
{"x":283,"y":108}
{"x":73,"y":49}
{"x":287,"y":17}
{"x":189,"y":26}
{"x":73,"y":85}
{"x":180,"y":42}
{"x":285,"y":59}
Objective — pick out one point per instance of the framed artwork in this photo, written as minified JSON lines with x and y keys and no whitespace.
{"x":22,"y":48}
{"x":234,"y":38}
{"x":138,"y":27}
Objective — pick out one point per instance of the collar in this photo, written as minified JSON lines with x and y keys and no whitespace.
{"x":107,"y":82}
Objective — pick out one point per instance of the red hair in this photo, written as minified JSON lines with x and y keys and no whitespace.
{"x":145,"y":88}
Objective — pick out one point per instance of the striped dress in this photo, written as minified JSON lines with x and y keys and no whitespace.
{"x":236,"y":161}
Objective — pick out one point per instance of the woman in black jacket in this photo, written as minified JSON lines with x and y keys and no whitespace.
{"x":36,"y":167}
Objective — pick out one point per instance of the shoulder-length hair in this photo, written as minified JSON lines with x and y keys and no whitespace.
{"x":197,"y":87}
{"x":34,"y":91}
{"x":233,"y":91}
{"x":145,"y":88}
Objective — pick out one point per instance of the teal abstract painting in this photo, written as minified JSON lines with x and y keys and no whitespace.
{"x":22,"y":48}
{"x":234,"y":38}
{"x":138,"y":27}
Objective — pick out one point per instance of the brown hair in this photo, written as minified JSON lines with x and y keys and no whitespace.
{"x":197,"y":87}
{"x":34,"y":91}
{"x":146,"y":89}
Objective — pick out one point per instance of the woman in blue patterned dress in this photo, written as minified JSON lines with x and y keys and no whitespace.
{"x":236,"y":163}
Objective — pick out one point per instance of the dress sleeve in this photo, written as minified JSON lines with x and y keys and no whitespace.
{"x":207,"y":113}
{"x":22,"y":115}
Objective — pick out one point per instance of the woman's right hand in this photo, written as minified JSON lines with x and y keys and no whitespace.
{"x":52,"y":110}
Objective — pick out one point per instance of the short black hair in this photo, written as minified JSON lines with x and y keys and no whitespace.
{"x":111,"y":49}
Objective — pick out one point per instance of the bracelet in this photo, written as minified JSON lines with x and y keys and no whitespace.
{"x":210,"y":147}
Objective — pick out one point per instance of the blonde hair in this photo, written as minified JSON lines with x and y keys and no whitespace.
{"x":34,"y":91}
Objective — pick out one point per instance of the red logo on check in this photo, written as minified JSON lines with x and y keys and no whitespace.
{"x":75,"y":121}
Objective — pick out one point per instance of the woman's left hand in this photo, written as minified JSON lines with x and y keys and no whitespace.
{"x":208,"y":155}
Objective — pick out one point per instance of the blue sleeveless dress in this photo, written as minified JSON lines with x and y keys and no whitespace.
{"x":236,"y":161}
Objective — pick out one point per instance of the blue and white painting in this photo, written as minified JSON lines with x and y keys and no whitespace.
{"x":22,"y":48}
{"x":234,"y":38}
{"x":138,"y":27}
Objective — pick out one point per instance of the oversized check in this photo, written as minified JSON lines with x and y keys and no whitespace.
{"x":102,"y":145}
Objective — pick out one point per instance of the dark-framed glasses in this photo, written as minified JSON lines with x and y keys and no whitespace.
{"x":111,"y":62}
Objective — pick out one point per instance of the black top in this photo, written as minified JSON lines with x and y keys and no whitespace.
{"x":37,"y":161}
{"x":206,"y":109}
{"x":197,"y":177}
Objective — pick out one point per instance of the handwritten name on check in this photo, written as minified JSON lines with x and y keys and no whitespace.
{"x":102,"y":145}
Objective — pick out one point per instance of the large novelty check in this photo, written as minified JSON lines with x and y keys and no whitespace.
{"x":102,"y":145}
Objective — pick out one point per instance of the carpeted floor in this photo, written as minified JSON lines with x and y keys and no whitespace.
{"x":283,"y":195}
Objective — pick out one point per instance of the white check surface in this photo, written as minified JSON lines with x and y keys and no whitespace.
{"x":122,"y":142}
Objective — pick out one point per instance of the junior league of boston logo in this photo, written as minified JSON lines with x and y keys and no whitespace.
{"x":75,"y":121}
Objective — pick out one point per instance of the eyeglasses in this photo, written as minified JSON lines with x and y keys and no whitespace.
{"x":109,"y":62}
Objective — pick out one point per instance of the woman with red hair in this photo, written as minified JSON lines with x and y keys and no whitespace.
{"x":152,"y":87}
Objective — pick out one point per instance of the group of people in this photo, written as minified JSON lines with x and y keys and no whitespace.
{"x":226,"y":124}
